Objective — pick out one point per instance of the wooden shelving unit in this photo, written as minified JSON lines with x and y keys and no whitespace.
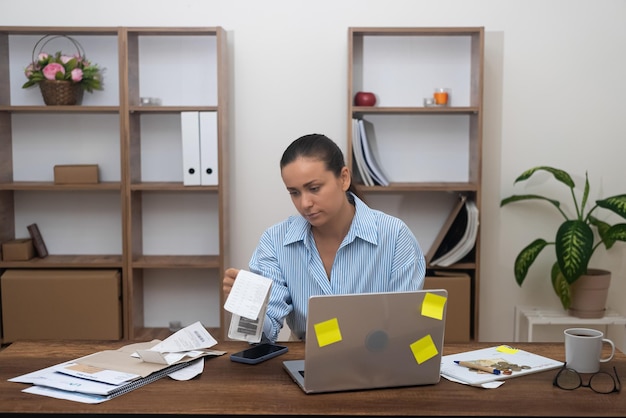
{"x":138,"y":150}
{"x":430,"y":154}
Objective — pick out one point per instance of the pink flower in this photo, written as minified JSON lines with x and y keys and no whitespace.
{"x":42,"y":56}
{"x":77,"y":75}
{"x":50,"y":71}
{"x":29,"y":70}
{"x":65,"y":59}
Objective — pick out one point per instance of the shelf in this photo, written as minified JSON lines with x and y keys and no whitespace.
{"x":420,"y":187}
{"x":547,"y":316}
{"x":68,"y":261}
{"x":65,"y":30}
{"x":170,"y":186}
{"x":171,"y":109}
{"x":413,"y":31}
{"x":457,"y":266}
{"x":49,"y":186}
{"x":174,"y":31}
{"x":60,"y":109}
{"x":362,"y":110}
{"x":179,"y":261}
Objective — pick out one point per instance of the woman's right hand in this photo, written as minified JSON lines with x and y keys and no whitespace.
{"x":229,"y":279}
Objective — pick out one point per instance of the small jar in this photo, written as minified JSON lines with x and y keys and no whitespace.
{"x":441,"y":96}
{"x":150,"y":101}
{"x":429,"y":102}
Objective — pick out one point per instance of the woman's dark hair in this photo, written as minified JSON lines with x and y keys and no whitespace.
{"x":322,"y":148}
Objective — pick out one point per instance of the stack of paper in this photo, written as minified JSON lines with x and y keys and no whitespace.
{"x":365,"y":160}
{"x":104,"y":375}
{"x":467,"y":227}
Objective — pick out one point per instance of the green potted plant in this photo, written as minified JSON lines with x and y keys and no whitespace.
{"x":575,"y":241}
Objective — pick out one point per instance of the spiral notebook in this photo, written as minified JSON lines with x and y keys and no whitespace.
{"x":50,"y":382}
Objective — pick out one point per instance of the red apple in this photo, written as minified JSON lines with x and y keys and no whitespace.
{"x":364,"y":98}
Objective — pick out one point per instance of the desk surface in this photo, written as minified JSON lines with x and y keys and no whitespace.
{"x":228,"y":388}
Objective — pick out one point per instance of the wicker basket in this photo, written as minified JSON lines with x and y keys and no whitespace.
{"x":61,"y":92}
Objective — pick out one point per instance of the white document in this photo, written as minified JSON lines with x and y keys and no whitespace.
{"x":67,"y":395}
{"x":208,"y":149}
{"x":244,"y":329}
{"x":171,"y":358}
{"x":248,"y":295}
{"x":187,"y":342}
{"x":189,"y":372}
{"x":190,"y":134}
{"x":192,"y":337}
{"x":51,"y":377}
{"x":85,"y":371}
{"x":247,"y":302}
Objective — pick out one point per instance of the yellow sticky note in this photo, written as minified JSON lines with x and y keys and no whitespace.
{"x":432,"y":306}
{"x":327,"y":332}
{"x":507,"y":349}
{"x":424,"y":349}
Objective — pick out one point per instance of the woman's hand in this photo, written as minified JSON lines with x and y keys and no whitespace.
{"x":229,"y":279}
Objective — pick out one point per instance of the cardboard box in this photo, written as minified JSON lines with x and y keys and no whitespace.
{"x":18,"y":250}
{"x":40,"y":304}
{"x":458,"y":310}
{"x":76,"y":174}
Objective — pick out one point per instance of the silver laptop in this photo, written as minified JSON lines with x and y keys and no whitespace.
{"x":372,"y":340}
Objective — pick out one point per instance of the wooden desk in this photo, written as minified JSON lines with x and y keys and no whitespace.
{"x":227,"y":388}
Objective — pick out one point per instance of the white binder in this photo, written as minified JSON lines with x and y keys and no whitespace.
{"x":190,"y":134}
{"x":208,"y":149}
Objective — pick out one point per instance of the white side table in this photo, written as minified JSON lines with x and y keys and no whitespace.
{"x":549,"y":316}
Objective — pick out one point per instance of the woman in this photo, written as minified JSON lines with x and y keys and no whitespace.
{"x":337,"y":245}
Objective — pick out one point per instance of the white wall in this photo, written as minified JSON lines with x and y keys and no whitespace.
{"x":554,"y":95}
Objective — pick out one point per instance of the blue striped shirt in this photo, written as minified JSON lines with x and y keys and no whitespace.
{"x":379,"y":254}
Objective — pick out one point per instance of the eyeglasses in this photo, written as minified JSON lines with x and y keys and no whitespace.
{"x":600,"y":382}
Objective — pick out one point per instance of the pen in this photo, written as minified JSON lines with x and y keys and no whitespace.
{"x":477,"y":367}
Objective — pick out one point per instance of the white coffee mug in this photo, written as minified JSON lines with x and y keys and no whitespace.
{"x":583,"y":349}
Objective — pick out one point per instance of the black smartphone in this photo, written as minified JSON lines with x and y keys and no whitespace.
{"x":258,"y":353}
